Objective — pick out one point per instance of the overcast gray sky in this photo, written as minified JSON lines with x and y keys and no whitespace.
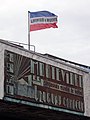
{"x":71,"y":40}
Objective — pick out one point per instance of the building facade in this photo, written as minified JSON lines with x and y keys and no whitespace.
{"x":43,"y":80}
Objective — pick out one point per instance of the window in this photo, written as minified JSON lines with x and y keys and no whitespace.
{"x":57,"y":73}
{"x":82,"y":107}
{"x":32,"y":66}
{"x":44,"y":96}
{"x":67,"y":77}
{"x":41,"y":69}
{"x":77,"y":105}
{"x":59,"y":99}
{"x":52,"y":98}
{"x":71,"y":104}
{"x":80,"y":81}
{"x":36,"y":68}
{"x":48,"y":71}
{"x":48,"y":97}
{"x":40,"y":96}
{"x":10,"y":78}
{"x":62,"y":75}
{"x":72,"y":78}
{"x":10,"y":57}
{"x":10,"y":67}
{"x":9,"y":89}
{"x":76,"y":79}
{"x":64,"y":102}
{"x":53,"y":72}
{"x":30,"y":80}
{"x":68,"y":102}
{"x":56,"y":100}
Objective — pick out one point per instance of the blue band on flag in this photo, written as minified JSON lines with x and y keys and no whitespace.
{"x":41,"y":14}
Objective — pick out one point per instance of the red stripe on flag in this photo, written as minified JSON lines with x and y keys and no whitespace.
{"x":42,"y":26}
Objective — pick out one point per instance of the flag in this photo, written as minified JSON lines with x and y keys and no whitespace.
{"x":42,"y":20}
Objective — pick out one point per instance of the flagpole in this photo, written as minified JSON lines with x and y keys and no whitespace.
{"x":28,"y":30}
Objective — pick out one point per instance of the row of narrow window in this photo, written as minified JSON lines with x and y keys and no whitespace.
{"x":65,"y":102}
{"x":55,"y":73}
{"x":73,"y":104}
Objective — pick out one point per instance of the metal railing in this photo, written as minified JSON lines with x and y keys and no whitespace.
{"x":22,"y":44}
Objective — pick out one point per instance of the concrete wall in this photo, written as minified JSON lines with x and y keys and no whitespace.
{"x":1,"y":71}
{"x":86,"y":87}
